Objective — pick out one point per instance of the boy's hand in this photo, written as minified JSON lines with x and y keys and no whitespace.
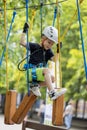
{"x":25,"y":28}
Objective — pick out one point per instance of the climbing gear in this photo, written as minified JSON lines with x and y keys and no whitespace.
{"x":36,"y":75}
{"x":55,"y":94}
{"x":51,"y":33}
{"x":29,"y":66}
{"x":35,"y":72}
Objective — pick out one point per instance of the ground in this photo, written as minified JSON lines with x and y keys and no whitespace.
{"x":19,"y":126}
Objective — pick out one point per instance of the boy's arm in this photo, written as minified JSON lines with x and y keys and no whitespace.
{"x":25,"y":29}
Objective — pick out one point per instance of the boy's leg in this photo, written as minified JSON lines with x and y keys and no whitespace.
{"x":49,"y":80}
{"x":44,"y":75}
{"x":34,"y":86}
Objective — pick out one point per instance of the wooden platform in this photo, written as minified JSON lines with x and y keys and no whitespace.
{"x":38,"y":126}
{"x":10,"y":106}
{"x":58,"y":108}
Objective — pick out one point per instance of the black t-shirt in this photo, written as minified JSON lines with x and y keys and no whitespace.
{"x":38,"y":54}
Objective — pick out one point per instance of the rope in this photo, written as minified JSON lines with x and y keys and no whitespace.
{"x":41,"y":10}
{"x":14,"y":14}
{"x":58,"y":47}
{"x":81,"y":35}
{"x":31,"y":22}
{"x":35,"y":6}
{"x":6,"y":44}
{"x":54,"y":18}
{"x":66,"y":30}
{"x":28,"y":49}
{"x":72,"y":19}
{"x":55,"y":14}
{"x":81,"y":1}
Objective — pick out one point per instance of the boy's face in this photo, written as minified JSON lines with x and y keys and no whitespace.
{"x":48,"y":44}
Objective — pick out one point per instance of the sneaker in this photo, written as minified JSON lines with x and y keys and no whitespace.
{"x":35,"y":90}
{"x":55,"y":94}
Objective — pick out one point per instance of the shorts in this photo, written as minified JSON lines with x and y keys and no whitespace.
{"x":38,"y":73}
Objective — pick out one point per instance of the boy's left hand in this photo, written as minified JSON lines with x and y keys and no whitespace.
{"x":26,"y":27}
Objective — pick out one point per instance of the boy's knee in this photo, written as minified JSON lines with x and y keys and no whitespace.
{"x":46,"y":70}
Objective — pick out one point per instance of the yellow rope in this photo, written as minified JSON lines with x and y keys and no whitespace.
{"x":58,"y":77}
{"x":80,"y":1}
{"x":32,"y":20}
{"x":72,"y":18}
{"x":65,"y":32}
{"x":6,"y":44}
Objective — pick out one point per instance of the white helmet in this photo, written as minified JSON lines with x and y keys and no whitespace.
{"x":51,"y":33}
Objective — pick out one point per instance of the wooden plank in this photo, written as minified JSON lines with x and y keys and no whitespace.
{"x":23,"y":108}
{"x":10,"y":106}
{"x":57,"y":113}
{"x":38,"y":126}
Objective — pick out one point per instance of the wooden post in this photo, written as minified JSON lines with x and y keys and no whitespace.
{"x":23,"y":108}
{"x":57,"y":113}
{"x":10,"y":106}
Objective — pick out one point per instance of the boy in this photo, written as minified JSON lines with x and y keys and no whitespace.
{"x":40,"y":54}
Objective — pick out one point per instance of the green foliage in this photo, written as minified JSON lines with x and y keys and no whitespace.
{"x":73,"y":73}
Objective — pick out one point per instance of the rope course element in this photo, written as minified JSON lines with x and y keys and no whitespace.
{"x":54,"y":19}
{"x":7,"y":38}
{"x":31,"y":21}
{"x":35,"y":6}
{"x":55,"y":15}
{"x":6,"y":44}
{"x":81,"y":35}
{"x":72,"y":18}
{"x":28,"y":49}
{"x":41,"y":10}
{"x":1,"y":12}
{"x":58,"y":48}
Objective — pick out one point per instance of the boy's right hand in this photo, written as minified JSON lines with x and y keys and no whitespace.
{"x":26,"y":27}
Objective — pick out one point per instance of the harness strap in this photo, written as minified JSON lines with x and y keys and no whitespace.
{"x":34,"y":76}
{"x":33,"y":72}
{"x":30,"y":66}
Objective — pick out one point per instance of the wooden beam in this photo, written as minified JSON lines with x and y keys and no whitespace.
{"x":57,"y":113}
{"x":38,"y":126}
{"x":23,"y":108}
{"x":10,"y":106}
